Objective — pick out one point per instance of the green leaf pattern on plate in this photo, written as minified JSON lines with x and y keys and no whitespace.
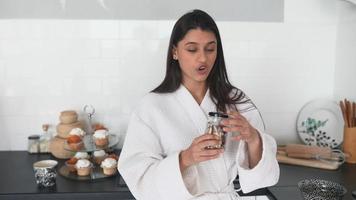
{"x":315,"y":134}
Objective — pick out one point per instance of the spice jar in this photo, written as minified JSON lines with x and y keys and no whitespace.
{"x":45,"y":139}
{"x":214,"y":127}
{"x":33,"y":144}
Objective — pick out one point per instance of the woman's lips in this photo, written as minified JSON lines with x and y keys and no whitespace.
{"x":202,"y":70}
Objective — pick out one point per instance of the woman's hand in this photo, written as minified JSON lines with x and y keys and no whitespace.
{"x":238,"y":123}
{"x":197,"y":151}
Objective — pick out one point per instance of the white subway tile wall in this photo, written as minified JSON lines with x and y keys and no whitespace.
{"x":345,"y":72}
{"x":47,"y":66}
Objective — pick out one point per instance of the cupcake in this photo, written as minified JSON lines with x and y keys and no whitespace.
{"x":114,"y":156}
{"x":99,"y":156}
{"x":71,"y":164}
{"x":81,"y":155}
{"x":99,"y":126}
{"x":83,"y":167}
{"x":109,"y":166}
{"x":77,"y":131}
{"x":75,"y":142}
{"x":101,"y":137}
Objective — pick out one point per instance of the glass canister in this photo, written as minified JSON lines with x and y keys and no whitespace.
{"x":45,"y":139}
{"x":33,"y":144}
{"x":214,"y":127}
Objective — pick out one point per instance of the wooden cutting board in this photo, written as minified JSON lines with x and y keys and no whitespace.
{"x":307,"y":162}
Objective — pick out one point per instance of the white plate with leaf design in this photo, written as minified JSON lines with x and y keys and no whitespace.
{"x":320,"y":123}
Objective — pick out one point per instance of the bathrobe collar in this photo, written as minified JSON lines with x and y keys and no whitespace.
{"x":197,"y":113}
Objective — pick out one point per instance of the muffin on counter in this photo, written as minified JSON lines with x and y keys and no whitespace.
{"x":77,"y":131}
{"x":114,"y":156}
{"x":71,"y":164}
{"x":101,"y":137}
{"x":82,"y":155}
{"x":99,"y":156}
{"x":75,"y":142}
{"x":109,"y":166}
{"x":83,"y":167}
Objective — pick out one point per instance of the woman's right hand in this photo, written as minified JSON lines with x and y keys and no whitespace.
{"x":197,"y":151}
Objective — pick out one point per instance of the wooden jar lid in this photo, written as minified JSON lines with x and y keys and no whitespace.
{"x":68,"y":117}
{"x":68,"y":112}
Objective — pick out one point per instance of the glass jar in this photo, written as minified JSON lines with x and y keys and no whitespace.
{"x":214,"y":127}
{"x":45,"y":139}
{"x":33,"y":144}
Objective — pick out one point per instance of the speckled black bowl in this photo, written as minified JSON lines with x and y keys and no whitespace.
{"x":316,"y":189}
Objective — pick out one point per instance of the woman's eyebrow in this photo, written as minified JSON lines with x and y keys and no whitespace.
{"x":189,"y":43}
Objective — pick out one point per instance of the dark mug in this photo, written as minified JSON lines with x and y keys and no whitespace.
{"x":45,"y":172}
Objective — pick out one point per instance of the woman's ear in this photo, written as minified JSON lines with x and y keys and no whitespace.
{"x":174,"y":53}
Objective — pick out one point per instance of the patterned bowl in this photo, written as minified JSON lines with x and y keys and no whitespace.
{"x":316,"y":189}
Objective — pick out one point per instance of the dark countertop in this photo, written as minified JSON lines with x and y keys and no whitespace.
{"x":17,"y":181}
{"x":290,"y":175}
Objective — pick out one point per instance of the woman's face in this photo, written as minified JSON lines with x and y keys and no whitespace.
{"x":196,"y":54}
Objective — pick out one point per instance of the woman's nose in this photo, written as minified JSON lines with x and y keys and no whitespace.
{"x":202,"y":57}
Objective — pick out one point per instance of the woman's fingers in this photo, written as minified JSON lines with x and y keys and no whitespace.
{"x":234,"y":114}
{"x":211,"y":152}
{"x":232,"y":122}
{"x":205,"y":137}
{"x":238,"y":123}
{"x":206,"y":143}
{"x":235,"y":119}
{"x":199,"y":151}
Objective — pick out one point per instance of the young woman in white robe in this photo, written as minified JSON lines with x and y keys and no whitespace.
{"x":164,"y":154}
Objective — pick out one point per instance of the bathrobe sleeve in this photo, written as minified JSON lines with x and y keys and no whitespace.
{"x":149,"y":173}
{"x":266,"y":172}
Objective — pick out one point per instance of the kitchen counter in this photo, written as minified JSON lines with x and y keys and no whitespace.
{"x":290,"y":175}
{"x":17,"y":181}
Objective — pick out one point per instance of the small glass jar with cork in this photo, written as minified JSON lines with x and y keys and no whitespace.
{"x":45,"y":139}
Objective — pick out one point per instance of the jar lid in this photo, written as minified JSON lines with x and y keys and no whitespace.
{"x":33,"y":137}
{"x":68,"y":112}
{"x":218,"y":114}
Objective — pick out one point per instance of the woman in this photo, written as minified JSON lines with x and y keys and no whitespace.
{"x":165,"y":155}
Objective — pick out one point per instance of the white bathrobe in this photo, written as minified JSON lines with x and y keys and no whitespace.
{"x":165,"y":124}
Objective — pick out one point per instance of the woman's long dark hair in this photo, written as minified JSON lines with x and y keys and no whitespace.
{"x":222,"y":92}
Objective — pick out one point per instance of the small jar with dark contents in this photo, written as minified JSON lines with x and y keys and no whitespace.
{"x":214,"y":127}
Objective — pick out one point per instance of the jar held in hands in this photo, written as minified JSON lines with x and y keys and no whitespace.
{"x":214,"y":127}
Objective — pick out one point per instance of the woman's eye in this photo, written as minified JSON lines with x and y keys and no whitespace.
{"x":210,"y":50}
{"x":191,"y":50}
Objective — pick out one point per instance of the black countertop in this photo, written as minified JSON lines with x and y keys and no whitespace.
{"x":17,"y":181}
{"x":290,"y":175}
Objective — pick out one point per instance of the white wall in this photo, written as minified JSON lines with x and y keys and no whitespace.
{"x":345,"y":73}
{"x":50,"y":65}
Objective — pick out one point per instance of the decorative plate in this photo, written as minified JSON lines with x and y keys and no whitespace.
{"x":320,"y":123}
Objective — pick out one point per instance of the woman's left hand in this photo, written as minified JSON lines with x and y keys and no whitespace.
{"x":238,"y":123}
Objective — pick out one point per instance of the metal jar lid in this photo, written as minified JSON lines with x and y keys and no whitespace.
{"x":33,"y":137}
{"x":218,"y":114}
